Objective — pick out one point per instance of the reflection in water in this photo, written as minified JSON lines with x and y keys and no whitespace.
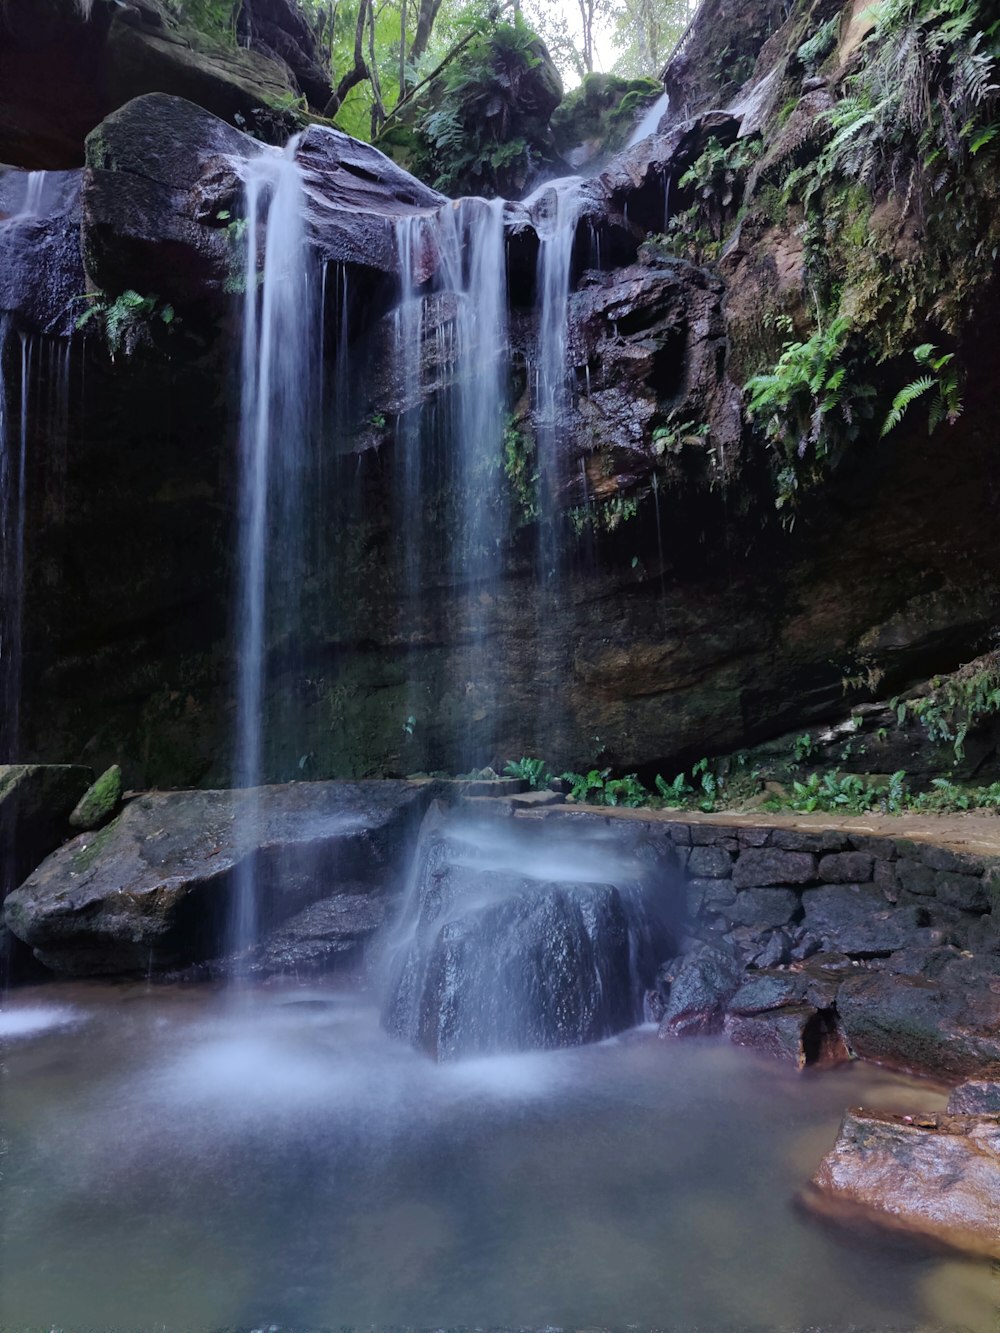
{"x":191,"y":1167}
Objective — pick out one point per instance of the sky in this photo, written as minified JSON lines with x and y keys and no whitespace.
{"x":604,"y":50}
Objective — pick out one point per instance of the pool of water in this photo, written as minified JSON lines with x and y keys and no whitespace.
{"x":178,"y":1160}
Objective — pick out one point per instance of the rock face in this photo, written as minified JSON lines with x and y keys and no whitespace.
{"x":41,"y":268}
{"x":35,"y":805}
{"x":153,"y":889}
{"x":936,"y":1177}
{"x":510,"y":943}
{"x":64,"y":70}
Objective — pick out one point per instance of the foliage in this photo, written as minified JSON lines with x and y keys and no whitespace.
{"x":486,"y":132}
{"x":717,"y":178}
{"x":955,"y":706}
{"x":811,"y":405}
{"x":675,"y":435}
{"x":946,"y":405}
{"x":124,"y":318}
{"x":520,"y":464}
{"x":603,"y":515}
{"x":535,"y":772}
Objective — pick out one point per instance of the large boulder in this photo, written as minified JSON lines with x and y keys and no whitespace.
{"x":155,"y":888}
{"x":935,"y":1177}
{"x":516,"y":938}
{"x":357,"y":196}
{"x":160,"y":171}
{"x":946,"y":1025}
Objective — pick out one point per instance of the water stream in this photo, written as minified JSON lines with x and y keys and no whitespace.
{"x":276,"y":385}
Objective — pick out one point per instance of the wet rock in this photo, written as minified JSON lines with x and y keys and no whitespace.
{"x":41,"y":270}
{"x":99,"y":802}
{"x":159,"y":172}
{"x":855,"y":919}
{"x":764,"y":907}
{"x":977,"y":1097}
{"x":514,"y":937}
{"x":760,"y":866}
{"x":35,"y":805}
{"x":357,"y":194}
{"x":936,"y":1177}
{"x":797,"y":1033}
{"x":846,"y":868}
{"x":767,"y":990}
{"x":949,"y":1026}
{"x":710,"y":863}
{"x":324,"y":934}
{"x":154,"y":887}
{"x":776,"y":951}
{"x":702,"y":984}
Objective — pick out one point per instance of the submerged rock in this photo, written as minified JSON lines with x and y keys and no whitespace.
{"x":153,"y":888}
{"x":515,"y":939}
{"x":935,"y":1176}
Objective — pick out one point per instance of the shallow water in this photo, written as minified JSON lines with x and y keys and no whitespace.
{"x":175,"y":1162}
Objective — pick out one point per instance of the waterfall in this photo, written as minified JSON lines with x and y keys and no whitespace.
{"x":463,"y":320}
{"x":649,"y":122}
{"x":560,"y":212}
{"x":515,"y":936}
{"x":275,"y":421}
{"x":16,"y":353}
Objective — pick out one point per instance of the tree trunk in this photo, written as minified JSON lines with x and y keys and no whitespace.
{"x":359,"y":71}
{"x":426,"y":15}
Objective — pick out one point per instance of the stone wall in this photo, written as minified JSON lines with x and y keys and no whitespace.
{"x":819,"y":944}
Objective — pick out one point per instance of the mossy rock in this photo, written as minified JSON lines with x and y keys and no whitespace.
{"x":99,"y":802}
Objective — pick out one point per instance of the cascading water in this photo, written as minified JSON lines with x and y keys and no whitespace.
{"x":649,"y":122}
{"x":514,"y":937}
{"x":16,"y":352}
{"x":466,"y":314}
{"x":275,"y":425}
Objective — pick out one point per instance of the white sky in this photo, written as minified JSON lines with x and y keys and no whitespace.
{"x":604,"y":50}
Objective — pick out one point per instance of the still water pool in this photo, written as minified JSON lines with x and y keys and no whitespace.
{"x":175,"y":1160}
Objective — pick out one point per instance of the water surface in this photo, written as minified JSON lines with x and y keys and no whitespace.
{"x":177,"y":1163}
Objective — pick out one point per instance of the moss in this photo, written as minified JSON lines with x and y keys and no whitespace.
{"x":89,"y":852}
{"x":100,"y":801}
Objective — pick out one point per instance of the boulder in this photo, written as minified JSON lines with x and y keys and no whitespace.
{"x":947,"y":1026}
{"x":159,"y":172}
{"x":154,"y":888}
{"x":325,"y":934}
{"x":516,"y":938}
{"x":701,"y":985}
{"x":935,"y":1177}
{"x":99,"y":802}
{"x":357,"y":195}
{"x":796,"y":1033}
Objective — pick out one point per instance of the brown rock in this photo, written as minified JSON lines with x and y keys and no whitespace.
{"x":936,"y":1177}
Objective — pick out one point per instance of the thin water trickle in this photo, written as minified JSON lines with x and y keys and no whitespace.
{"x":275,"y":410}
{"x":16,"y":358}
